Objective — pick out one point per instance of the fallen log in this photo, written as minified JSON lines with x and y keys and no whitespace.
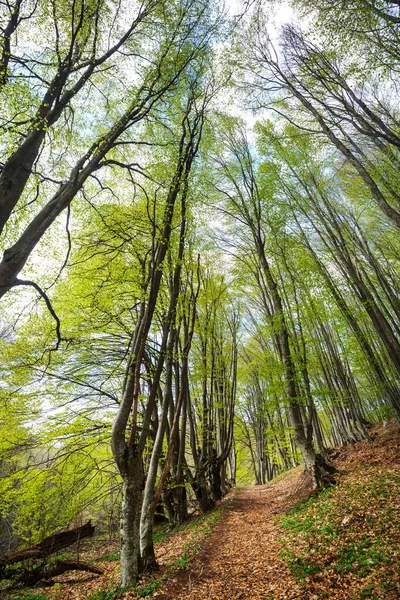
{"x":30,"y":577}
{"x":50,"y":545}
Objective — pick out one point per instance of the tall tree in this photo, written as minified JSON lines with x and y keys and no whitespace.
{"x":128,"y":437}
{"x":247,"y":205}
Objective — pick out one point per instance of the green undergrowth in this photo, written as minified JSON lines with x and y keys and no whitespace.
{"x":29,"y":596}
{"x":110,"y":594}
{"x":350,"y":531}
{"x":160,"y":534}
{"x":109,"y":557}
{"x":198,"y":530}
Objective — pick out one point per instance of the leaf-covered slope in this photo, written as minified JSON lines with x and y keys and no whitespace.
{"x":345,"y":543}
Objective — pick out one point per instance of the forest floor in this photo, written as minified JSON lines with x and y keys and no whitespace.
{"x":273,"y":542}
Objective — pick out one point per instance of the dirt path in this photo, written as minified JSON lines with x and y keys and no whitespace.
{"x":241,"y":559}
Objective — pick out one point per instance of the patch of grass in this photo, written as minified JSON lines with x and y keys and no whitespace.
{"x":111,"y":556}
{"x":351,"y":530}
{"x":302,"y":569}
{"x":30,"y":596}
{"x":200,"y":528}
{"x":360,"y":558}
{"x":111,"y":594}
{"x":118,"y":592}
{"x":63,"y":556}
{"x":366,"y":592}
{"x":183,"y":561}
{"x":161,"y":533}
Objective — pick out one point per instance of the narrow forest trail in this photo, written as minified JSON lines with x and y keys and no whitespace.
{"x":241,"y":559}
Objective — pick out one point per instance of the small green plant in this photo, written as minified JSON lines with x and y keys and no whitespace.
{"x":30,"y":596}
{"x":302,"y":569}
{"x":366,"y":592}
{"x":183,"y":561}
{"x":151,"y":587}
{"x":63,"y":556}
{"x":388,"y":581}
{"x":111,"y":556}
{"x":111,"y":594}
{"x":161,"y":534}
{"x":358,"y":557}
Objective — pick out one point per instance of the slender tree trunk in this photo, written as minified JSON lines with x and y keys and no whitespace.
{"x":232,"y":464}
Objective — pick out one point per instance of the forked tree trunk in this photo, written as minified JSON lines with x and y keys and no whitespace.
{"x":128,"y":451}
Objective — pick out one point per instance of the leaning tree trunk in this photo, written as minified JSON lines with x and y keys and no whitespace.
{"x":149,"y":505}
{"x":320,"y":470}
{"x":373,"y":359}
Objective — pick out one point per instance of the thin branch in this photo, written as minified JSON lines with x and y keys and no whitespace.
{"x":48,"y":304}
